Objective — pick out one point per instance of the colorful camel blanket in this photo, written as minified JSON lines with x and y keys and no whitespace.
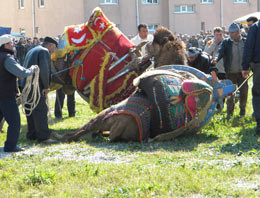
{"x":95,"y":46}
{"x":176,"y":101}
{"x":140,"y":108}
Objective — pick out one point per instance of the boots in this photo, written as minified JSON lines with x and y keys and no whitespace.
{"x":257,"y":129}
{"x":242,"y":112}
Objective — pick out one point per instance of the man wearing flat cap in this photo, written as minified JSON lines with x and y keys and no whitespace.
{"x":38,"y":121}
{"x":10,"y":70}
{"x":231,"y":50}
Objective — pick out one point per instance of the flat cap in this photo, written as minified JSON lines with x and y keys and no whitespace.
{"x":48,"y":39}
{"x":233,"y":27}
{"x":194,"y":51}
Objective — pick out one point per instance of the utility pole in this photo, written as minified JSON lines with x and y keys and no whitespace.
{"x":33,"y":17}
{"x":221,"y":14}
{"x":258,"y":5}
{"x":137,"y":12}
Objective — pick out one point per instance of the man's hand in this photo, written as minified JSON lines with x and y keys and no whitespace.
{"x":34,"y":67}
{"x":46,"y":91}
{"x":245,"y":73}
{"x":214,"y":61}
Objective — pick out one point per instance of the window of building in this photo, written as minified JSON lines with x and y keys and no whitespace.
{"x":240,"y":1}
{"x":149,"y":1}
{"x":41,"y":3}
{"x":206,"y":1}
{"x":22,"y":31}
{"x":202,"y":26}
{"x":37,"y":30}
{"x":21,"y":4}
{"x":184,"y":9}
{"x":109,"y":2}
{"x":152,"y":27}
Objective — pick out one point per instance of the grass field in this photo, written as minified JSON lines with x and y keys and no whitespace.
{"x":220,"y":161}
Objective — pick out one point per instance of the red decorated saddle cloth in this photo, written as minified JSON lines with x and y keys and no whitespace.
{"x":98,"y":44}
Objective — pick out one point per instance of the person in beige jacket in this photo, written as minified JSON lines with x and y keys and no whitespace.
{"x":212,"y":47}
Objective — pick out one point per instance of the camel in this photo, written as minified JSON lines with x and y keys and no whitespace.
{"x":121,"y":123}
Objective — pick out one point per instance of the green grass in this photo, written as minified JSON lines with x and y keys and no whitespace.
{"x":220,"y":161}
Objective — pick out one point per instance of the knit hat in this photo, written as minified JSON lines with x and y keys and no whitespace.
{"x":233,"y":27}
{"x":193,"y":51}
{"x":50,"y":40}
{"x":6,"y":38}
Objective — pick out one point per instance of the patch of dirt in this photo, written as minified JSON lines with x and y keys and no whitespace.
{"x":75,"y":152}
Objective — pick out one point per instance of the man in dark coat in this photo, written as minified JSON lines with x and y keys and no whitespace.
{"x":20,"y":50}
{"x":38,"y":121}
{"x":252,"y":56}
{"x":201,"y":61}
{"x":10,"y":70}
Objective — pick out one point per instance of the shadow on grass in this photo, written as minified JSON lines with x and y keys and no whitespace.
{"x":184,"y":143}
{"x":53,"y":121}
{"x":246,"y":142}
{"x":25,"y":142}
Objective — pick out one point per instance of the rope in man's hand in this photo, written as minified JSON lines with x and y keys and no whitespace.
{"x":31,"y":94}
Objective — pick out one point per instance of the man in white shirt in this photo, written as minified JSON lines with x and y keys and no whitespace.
{"x":142,"y":36}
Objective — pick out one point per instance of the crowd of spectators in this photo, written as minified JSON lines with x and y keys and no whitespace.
{"x":200,"y":40}
{"x":23,"y":45}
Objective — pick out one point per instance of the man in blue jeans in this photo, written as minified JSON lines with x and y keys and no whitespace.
{"x":10,"y":70}
{"x":251,"y":56}
{"x":60,"y":96}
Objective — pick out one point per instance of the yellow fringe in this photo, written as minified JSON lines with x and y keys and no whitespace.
{"x":74,"y":76}
{"x":100,"y":106}
{"x":91,"y":96}
{"x":124,"y":86}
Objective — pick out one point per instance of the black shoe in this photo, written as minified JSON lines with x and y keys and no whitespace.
{"x":242,"y":112}
{"x":16,"y":149}
{"x":31,"y":138}
{"x":257,"y":130}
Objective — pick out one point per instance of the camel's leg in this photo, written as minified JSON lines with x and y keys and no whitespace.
{"x":76,"y":135}
{"x":93,"y":126}
{"x":124,"y":129}
{"x":116,"y":131}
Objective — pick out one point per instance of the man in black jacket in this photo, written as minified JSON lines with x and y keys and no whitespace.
{"x":38,"y":121}
{"x":251,"y":57}
{"x":201,"y":61}
{"x":10,"y":70}
{"x":20,"y":50}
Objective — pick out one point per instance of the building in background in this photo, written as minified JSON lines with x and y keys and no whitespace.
{"x":192,"y":16}
{"x":49,"y":17}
